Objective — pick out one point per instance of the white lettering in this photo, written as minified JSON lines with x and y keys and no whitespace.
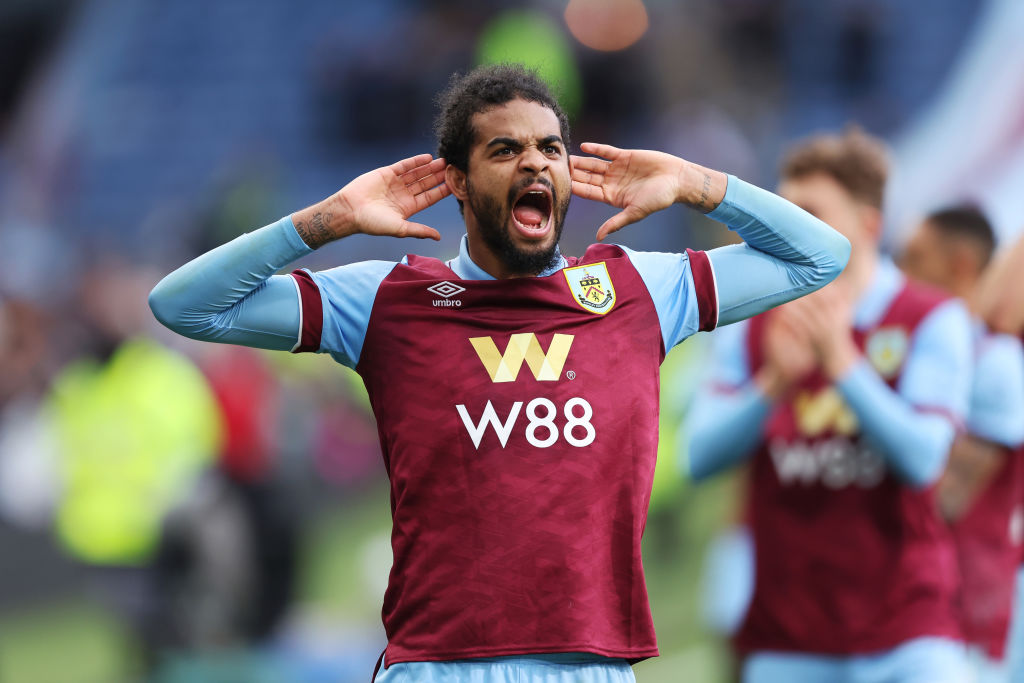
{"x":834,"y":463}
{"x":870,"y":468}
{"x":547,"y":422}
{"x":489,"y":417}
{"x":793,"y":463}
{"x":581,"y":421}
{"x":838,"y":464}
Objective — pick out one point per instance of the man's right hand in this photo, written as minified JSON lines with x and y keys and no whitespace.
{"x":788,"y":355}
{"x":377,"y":203}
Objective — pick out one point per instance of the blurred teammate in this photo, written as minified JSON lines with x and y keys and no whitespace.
{"x":1000,"y":297}
{"x":846,"y":401}
{"x":515,"y":389}
{"x":1000,"y":303}
{"x":982,"y":490}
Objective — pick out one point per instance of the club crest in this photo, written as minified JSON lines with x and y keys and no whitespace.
{"x":886,"y":349}
{"x":591,"y":287}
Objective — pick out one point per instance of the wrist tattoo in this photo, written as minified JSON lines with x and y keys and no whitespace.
{"x":704,"y":192}
{"x":315,"y":232}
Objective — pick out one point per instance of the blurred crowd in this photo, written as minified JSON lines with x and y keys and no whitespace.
{"x":176,"y":484}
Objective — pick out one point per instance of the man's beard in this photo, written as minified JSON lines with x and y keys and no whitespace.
{"x":493,"y":220}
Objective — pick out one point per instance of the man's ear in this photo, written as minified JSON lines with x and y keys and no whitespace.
{"x":871,"y":219}
{"x":965,"y":262}
{"x":455,"y":179}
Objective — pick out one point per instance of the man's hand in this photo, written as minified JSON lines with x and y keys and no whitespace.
{"x":377,"y":203}
{"x":826,"y":319}
{"x":641,"y":182}
{"x":788,"y":355}
{"x":972,"y":464}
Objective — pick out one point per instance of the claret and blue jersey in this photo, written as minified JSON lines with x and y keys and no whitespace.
{"x":519,"y":473}
{"x":841,"y":502}
{"x":990,"y":535}
{"x":912,"y":425}
{"x":681,"y":286}
{"x":518,"y":418}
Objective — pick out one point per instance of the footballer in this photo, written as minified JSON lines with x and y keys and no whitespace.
{"x":515,"y":387}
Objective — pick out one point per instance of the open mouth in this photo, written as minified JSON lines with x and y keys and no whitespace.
{"x":531,"y":211}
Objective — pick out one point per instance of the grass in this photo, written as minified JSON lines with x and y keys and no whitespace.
{"x":72,"y":642}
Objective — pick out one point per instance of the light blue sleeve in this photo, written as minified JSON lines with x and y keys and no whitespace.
{"x":670,"y":283}
{"x":232,"y":295}
{"x":788,"y":253}
{"x":347,"y":295}
{"x":913,"y":428}
{"x":730,"y":366}
{"x":996,"y":410}
{"x":726,"y":418}
{"x":940,"y":364}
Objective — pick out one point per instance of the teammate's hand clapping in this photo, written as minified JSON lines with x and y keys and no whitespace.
{"x":826,"y":319}
{"x":378,"y":203}
{"x":788,"y":354}
{"x":641,"y":182}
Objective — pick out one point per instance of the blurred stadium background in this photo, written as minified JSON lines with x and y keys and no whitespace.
{"x":177,"y":512}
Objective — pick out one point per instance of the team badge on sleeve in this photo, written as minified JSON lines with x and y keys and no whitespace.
{"x":887,"y":348}
{"x":591,"y":287}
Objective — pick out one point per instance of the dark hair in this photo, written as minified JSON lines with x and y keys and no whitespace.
{"x":479,"y":90}
{"x":857,"y":161}
{"x":969,"y":224}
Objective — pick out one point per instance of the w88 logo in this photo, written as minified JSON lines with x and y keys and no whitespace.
{"x":541,"y":430}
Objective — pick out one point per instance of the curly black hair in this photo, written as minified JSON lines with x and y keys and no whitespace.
{"x":479,"y":90}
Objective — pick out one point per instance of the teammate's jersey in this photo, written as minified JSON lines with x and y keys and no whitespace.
{"x":519,"y":458}
{"x":989,"y":535}
{"x":849,"y":558}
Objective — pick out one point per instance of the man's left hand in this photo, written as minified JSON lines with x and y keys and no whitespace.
{"x":641,"y":182}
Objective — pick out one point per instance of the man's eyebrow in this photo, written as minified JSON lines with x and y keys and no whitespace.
{"x":512,"y":142}
{"x":508,"y":142}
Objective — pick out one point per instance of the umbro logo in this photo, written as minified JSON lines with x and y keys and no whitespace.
{"x":446,"y":290}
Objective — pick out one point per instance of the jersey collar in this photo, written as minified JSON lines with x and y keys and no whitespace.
{"x":466,"y":269}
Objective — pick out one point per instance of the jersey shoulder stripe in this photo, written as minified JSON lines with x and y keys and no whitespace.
{"x":705,"y":288}
{"x":311,"y":321}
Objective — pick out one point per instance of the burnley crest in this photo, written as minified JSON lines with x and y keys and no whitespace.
{"x":591,"y":287}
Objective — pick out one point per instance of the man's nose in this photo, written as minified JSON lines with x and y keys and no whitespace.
{"x":532,"y":161}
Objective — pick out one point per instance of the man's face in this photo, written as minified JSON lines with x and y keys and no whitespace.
{"x":822,"y":196}
{"x":926,"y":258}
{"x":931,"y":257}
{"x":518,"y":185}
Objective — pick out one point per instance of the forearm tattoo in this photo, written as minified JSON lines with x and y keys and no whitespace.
{"x":704,"y":192}
{"x":315,"y":232}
